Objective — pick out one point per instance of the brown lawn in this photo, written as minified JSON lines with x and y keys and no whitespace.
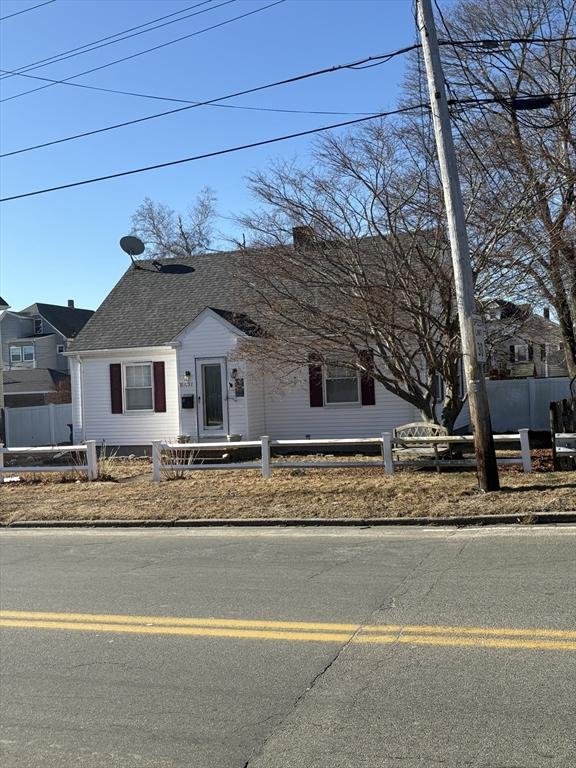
{"x":330,"y":493}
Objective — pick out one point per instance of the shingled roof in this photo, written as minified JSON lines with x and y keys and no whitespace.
{"x":68,"y":320}
{"x":26,"y":380}
{"x":155,"y":300}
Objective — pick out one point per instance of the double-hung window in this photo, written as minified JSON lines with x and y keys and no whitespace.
{"x":138,"y":387}
{"x":341,"y":384}
{"x":521,"y":354}
{"x":23,"y":354}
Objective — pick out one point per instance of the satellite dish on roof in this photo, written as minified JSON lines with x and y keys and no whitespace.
{"x":131,"y":245}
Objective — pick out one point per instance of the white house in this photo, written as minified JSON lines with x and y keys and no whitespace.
{"x":160,"y":359}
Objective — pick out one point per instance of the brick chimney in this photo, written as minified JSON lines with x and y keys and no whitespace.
{"x":303,"y":236}
{"x":546,"y":313}
{"x":70,"y":303}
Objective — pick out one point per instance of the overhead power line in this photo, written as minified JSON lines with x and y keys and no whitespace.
{"x":149,"y":50}
{"x":39,"y":63}
{"x":196,"y":102}
{"x":252,"y":145}
{"x":381,"y":59}
{"x":227,"y":151}
{"x":25,"y":10}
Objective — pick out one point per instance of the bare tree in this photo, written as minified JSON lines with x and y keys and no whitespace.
{"x":168,"y":234}
{"x":526,"y":159}
{"x":368,"y":283}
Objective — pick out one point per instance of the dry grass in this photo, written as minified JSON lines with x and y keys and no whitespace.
{"x":331,"y":493}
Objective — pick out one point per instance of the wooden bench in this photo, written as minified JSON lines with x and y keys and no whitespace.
{"x":420,"y":429}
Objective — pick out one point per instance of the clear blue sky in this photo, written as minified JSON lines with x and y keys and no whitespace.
{"x":65,"y":244}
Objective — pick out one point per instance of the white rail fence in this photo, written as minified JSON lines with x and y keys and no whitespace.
{"x":189,"y":460}
{"x":90,"y":466}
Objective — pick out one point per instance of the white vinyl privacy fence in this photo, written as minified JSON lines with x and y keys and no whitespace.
{"x":518,"y":403}
{"x":38,"y":425}
{"x":184,"y":457}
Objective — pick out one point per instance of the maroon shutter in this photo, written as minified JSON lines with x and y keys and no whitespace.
{"x":512,"y":353}
{"x":315,"y":383}
{"x":159,"y":388}
{"x":530,"y":352}
{"x":116,"y":387}
{"x":367,"y":388}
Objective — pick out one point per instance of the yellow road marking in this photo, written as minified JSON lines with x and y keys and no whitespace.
{"x":284,"y":625}
{"x":184,"y":622}
{"x":478,"y":642}
{"x":483,"y":637}
{"x":531,"y":632}
{"x":174,"y":630}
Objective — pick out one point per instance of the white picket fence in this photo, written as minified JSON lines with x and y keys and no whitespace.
{"x":188,"y":453}
{"x":38,"y":425}
{"x":90,"y":466}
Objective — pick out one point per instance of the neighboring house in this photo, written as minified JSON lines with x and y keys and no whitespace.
{"x":33,"y":343}
{"x":159,"y":359}
{"x":523,"y":344}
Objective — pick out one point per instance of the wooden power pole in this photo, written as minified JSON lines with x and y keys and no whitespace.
{"x":473,"y":366}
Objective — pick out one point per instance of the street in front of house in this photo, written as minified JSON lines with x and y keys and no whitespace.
{"x":288,"y":647}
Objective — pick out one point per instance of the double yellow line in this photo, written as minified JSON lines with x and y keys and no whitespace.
{"x":254,"y":629}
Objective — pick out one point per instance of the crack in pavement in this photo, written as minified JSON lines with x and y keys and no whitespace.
{"x":391,"y":601}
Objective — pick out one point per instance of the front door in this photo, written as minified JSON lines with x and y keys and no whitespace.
{"x":211,"y":395}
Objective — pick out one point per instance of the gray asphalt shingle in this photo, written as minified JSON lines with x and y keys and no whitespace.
{"x":150,"y":305}
{"x":68,"y":320}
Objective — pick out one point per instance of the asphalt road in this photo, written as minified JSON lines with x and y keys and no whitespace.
{"x":288,"y":648}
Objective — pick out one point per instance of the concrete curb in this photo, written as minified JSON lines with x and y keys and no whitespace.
{"x":536,"y":518}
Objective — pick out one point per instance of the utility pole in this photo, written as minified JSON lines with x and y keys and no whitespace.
{"x":474,"y":369}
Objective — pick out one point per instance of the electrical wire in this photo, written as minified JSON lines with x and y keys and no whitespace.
{"x":192,"y":101}
{"x":218,"y":153}
{"x":148,"y":50}
{"x":227,"y":151}
{"x":208,"y":102}
{"x":39,"y":63}
{"x":25,"y":10}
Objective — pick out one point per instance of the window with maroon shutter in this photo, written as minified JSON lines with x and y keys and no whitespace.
{"x":315,"y":383}
{"x":116,"y":387}
{"x":367,"y":388}
{"x":159,"y":387}
{"x":341,"y":384}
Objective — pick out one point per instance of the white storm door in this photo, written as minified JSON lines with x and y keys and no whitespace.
{"x":211,"y":395}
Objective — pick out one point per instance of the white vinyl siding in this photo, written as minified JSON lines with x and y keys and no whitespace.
{"x":287,"y":414}
{"x":255,"y":402}
{"x":130,"y":427}
{"x":209,"y":337}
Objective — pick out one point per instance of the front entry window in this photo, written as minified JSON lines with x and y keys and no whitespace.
{"x":212,"y":386}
